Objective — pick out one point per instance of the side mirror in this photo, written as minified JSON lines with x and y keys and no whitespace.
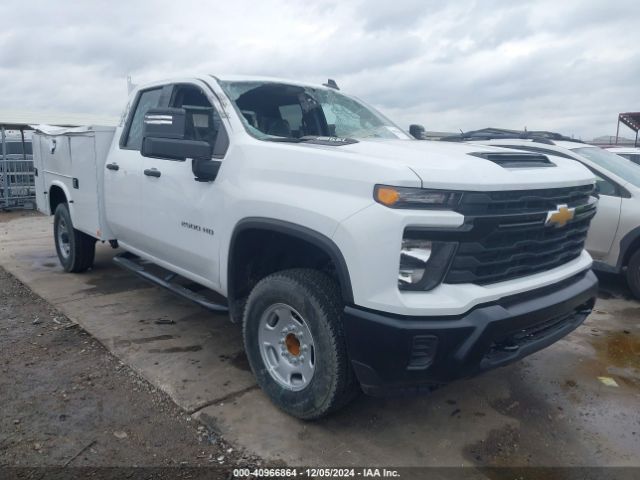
{"x":165,"y":123}
{"x":163,"y":136}
{"x":417,"y":132}
{"x":205,"y":170}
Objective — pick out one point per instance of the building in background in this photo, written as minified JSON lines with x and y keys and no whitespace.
{"x":610,"y":140}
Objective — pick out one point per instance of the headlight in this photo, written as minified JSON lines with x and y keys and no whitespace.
{"x":413,"y":260}
{"x":407,"y":197}
{"x":423,"y":263}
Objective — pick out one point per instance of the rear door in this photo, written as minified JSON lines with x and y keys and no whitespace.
{"x":124,"y":166}
{"x":179,"y":214}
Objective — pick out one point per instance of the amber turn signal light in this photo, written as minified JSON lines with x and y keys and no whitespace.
{"x":387,"y":195}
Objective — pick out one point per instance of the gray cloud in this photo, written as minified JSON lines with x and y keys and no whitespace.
{"x":378,"y":15}
{"x":569,"y":66}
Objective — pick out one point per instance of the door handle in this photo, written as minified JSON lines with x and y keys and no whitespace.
{"x":113,"y":166}
{"x":152,"y":172}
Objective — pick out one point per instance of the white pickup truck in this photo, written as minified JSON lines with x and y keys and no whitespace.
{"x":354,"y":256}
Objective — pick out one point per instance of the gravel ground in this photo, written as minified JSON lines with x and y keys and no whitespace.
{"x":66,"y":401}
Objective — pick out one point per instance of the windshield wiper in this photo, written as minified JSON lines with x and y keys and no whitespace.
{"x":315,"y":139}
{"x":320,"y":140}
{"x":284,"y":139}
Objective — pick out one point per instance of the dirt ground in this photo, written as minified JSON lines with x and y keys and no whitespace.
{"x":66,"y":401}
{"x":9,"y":215}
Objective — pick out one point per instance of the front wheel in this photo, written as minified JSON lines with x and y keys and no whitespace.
{"x":76,"y":250}
{"x":633,"y":274}
{"x":292,"y":330}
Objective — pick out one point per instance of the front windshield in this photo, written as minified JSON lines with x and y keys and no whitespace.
{"x":622,"y":167}
{"x":278,"y":111}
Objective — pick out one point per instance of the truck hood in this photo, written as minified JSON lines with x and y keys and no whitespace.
{"x":449,"y":165}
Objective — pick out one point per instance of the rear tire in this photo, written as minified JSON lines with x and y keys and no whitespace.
{"x":633,"y":274}
{"x":76,"y":250}
{"x":292,"y":329}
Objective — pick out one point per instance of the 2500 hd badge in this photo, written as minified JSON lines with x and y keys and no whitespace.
{"x":197,"y":228}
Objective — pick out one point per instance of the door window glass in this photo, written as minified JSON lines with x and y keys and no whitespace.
{"x":202,"y":121}
{"x":147,"y":99}
{"x":605,"y":187}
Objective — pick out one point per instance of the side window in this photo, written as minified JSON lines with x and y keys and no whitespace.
{"x":202,"y":119}
{"x":146,"y":100}
{"x":605,"y":187}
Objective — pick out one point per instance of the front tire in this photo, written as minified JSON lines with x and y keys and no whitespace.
{"x":633,"y":274}
{"x":76,"y":250}
{"x":292,"y":329}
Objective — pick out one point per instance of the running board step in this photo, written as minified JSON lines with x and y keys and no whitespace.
{"x":135,"y":265}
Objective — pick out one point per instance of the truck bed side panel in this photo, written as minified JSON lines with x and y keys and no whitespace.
{"x":75,"y":162}
{"x":39,"y":146}
{"x":85,"y":184}
{"x":103,"y":142}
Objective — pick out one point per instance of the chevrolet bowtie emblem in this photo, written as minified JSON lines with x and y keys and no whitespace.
{"x":560,"y":217}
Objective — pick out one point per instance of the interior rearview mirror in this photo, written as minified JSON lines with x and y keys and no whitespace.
{"x":417,"y":132}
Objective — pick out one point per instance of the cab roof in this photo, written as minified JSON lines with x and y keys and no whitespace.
{"x":259,"y":78}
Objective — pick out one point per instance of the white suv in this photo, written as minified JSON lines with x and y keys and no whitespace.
{"x":614,"y":235}
{"x":632,"y":153}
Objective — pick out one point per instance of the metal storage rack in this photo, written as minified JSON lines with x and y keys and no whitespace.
{"x":17,"y":179}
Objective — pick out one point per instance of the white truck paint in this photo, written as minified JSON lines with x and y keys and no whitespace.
{"x":62,"y":154}
{"x":298,"y":165}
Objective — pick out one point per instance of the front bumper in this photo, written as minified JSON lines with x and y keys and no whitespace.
{"x":395,"y":353}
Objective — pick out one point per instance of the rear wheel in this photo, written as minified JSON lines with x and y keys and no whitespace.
{"x":76,"y":250}
{"x":292,"y":330}
{"x":633,"y":274}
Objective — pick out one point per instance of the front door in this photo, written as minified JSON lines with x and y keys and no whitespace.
{"x":123,"y":171}
{"x":180,"y":214}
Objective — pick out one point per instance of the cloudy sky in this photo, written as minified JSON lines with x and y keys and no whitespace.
{"x":565,"y":65}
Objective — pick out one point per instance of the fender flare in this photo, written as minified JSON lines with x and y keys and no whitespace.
{"x":313,"y":237}
{"x":67,"y":195}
